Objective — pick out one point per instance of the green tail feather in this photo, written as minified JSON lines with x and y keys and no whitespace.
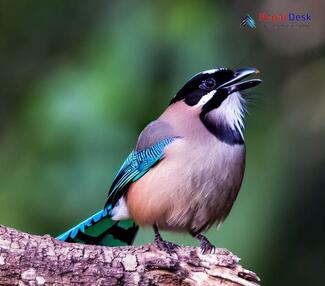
{"x":100,"y":229}
{"x":110,"y":233}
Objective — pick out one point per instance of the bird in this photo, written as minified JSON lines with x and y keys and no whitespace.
{"x":186,"y":169}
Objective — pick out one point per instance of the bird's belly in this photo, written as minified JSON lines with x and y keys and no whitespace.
{"x":186,"y":194}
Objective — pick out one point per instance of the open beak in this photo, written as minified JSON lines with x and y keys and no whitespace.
{"x":234,"y":84}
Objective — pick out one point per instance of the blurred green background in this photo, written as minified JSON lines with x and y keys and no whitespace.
{"x":79,"y":80}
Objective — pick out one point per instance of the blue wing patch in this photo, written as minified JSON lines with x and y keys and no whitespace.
{"x":135,"y":166}
{"x":99,"y":229}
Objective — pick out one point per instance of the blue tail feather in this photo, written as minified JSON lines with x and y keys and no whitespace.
{"x":71,"y":233}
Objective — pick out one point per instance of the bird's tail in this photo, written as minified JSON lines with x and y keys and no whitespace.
{"x":100,"y":229}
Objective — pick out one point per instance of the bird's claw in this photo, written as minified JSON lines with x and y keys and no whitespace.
{"x":206,"y":246}
{"x":166,"y":246}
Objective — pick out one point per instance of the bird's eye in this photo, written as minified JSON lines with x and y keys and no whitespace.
{"x":208,"y":84}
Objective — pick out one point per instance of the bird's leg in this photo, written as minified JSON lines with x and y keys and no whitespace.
{"x":206,"y":246}
{"x":164,"y":245}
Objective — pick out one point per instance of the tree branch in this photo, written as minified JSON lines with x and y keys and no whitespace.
{"x":42,"y":260}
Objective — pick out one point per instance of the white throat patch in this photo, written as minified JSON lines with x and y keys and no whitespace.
{"x":232,"y":110}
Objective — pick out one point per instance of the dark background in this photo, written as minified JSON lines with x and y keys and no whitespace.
{"x":80,"y":79}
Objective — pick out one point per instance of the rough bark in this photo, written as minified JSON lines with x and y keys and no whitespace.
{"x":42,"y":260}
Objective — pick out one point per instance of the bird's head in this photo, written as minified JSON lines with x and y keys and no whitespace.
{"x":216,"y":94}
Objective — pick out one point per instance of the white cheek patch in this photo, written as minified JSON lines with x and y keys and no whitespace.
{"x":204,"y":99}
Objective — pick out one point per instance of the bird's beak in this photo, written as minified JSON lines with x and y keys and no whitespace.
{"x":234,"y":84}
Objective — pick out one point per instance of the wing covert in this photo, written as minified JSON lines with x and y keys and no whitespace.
{"x":135,"y":166}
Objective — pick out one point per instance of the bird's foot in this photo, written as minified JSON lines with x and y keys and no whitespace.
{"x":167,"y":246}
{"x":206,"y":246}
{"x":164,"y":245}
